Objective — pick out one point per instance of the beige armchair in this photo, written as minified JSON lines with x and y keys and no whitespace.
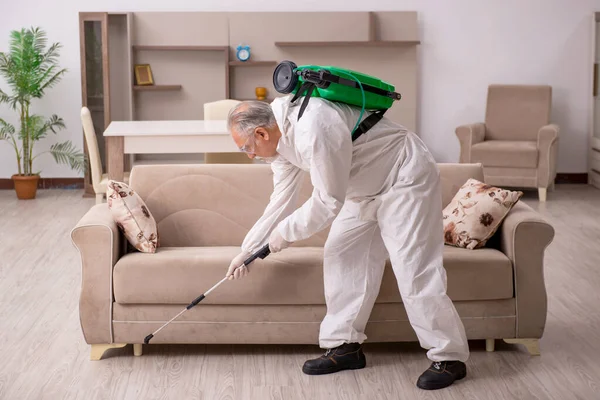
{"x":99,"y":179}
{"x":220,"y":110}
{"x":517,"y":144}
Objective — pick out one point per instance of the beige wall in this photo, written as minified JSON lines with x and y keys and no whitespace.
{"x":460,"y":54}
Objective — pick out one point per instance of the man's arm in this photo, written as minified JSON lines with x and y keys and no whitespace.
{"x":328,"y":143}
{"x":287,"y":183}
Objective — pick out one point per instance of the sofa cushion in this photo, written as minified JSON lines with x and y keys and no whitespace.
{"x":132,"y":216}
{"x":182,"y":199}
{"x":505,"y":153}
{"x":201,"y":205}
{"x":177,"y":275}
{"x":475,"y":213}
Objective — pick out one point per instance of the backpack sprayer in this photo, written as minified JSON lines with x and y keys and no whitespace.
{"x":337,"y":84}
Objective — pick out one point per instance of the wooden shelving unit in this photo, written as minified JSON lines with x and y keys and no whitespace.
{"x":371,"y":43}
{"x":250,"y":63}
{"x":179,"y":48}
{"x":268,"y":100}
{"x":198,"y":49}
{"x":223,"y":49}
{"x":156,"y":88}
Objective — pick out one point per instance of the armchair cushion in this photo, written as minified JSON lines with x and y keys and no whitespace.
{"x":506,"y":153}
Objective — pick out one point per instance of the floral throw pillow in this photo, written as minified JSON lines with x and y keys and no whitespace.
{"x":132,"y":216}
{"x":475,"y":213}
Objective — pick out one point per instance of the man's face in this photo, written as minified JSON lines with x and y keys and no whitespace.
{"x":262,"y":144}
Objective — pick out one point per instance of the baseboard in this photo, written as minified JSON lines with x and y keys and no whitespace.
{"x":77,"y":183}
{"x":48,"y":183}
{"x":572,"y":178}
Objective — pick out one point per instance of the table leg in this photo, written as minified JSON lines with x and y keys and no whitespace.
{"x":115,"y":157}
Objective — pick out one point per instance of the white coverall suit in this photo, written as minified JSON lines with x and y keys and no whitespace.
{"x":383,"y":196}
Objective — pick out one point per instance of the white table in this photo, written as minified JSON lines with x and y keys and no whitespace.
{"x":160,"y":137}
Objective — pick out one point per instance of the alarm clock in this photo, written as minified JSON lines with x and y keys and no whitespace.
{"x":243,"y":53}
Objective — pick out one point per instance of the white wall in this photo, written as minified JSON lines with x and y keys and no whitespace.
{"x":466,"y":45}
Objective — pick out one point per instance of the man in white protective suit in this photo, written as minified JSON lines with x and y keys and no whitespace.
{"x":381,"y":195}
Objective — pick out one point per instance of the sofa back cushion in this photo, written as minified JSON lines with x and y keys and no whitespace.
{"x":208,"y":204}
{"x":517,"y":112}
{"x":217,"y":204}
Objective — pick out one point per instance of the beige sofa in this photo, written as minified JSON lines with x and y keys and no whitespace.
{"x":203,"y":213}
{"x":517,"y":144}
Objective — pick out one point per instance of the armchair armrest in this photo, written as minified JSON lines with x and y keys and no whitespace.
{"x":524,"y":236}
{"x":547,"y":144}
{"x":468,"y":135}
{"x":97,"y":238}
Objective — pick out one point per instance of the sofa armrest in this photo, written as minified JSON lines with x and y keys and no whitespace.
{"x":524,"y":236}
{"x":468,"y":135}
{"x":547,"y":144}
{"x":97,"y":238}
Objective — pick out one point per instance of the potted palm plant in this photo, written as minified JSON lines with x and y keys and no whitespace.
{"x":29,"y":69}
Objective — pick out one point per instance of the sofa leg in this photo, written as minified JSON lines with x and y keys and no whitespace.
{"x":99,"y":349}
{"x":137,"y":349}
{"x":551,"y":187}
{"x":99,"y":198}
{"x":532,"y":345}
{"x":490,"y":344}
{"x":542,"y":193}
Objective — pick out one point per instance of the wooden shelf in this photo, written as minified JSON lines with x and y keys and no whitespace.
{"x":267,"y":100}
{"x":157,"y":88}
{"x":252,"y":63}
{"x":373,"y":43}
{"x":191,"y":48}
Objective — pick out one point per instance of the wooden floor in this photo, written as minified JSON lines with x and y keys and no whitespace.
{"x":43,"y":354}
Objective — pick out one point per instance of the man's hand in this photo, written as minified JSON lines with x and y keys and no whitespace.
{"x":277,"y":242}
{"x":234,"y":272}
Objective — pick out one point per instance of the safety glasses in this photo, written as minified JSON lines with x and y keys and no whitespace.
{"x":246,"y":148}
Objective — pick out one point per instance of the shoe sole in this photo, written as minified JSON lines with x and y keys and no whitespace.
{"x":309,"y":371}
{"x":460,"y":376}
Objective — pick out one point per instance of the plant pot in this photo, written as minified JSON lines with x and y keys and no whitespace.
{"x":26,"y":186}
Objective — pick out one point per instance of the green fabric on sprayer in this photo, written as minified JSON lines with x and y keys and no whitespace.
{"x":338,"y":85}
{"x":351,"y":95}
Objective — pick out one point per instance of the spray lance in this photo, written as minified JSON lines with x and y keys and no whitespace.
{"x":262,"y":253}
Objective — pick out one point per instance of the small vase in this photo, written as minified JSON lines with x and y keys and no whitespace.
{"x":26,"y":186}
{"x":261,"y":93}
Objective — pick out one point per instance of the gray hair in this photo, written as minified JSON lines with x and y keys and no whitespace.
{"x":249,"y":115}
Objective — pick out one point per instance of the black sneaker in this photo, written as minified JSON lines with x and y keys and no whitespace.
{"x":442,"y":374}
{"x":346,"y":356}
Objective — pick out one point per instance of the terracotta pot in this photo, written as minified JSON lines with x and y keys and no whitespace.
{"x":26,"y":186}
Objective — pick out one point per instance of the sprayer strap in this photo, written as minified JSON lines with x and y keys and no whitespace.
{"x":368,"y":123}
{"x":307,"y":87}
{"x":364,"y":126}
